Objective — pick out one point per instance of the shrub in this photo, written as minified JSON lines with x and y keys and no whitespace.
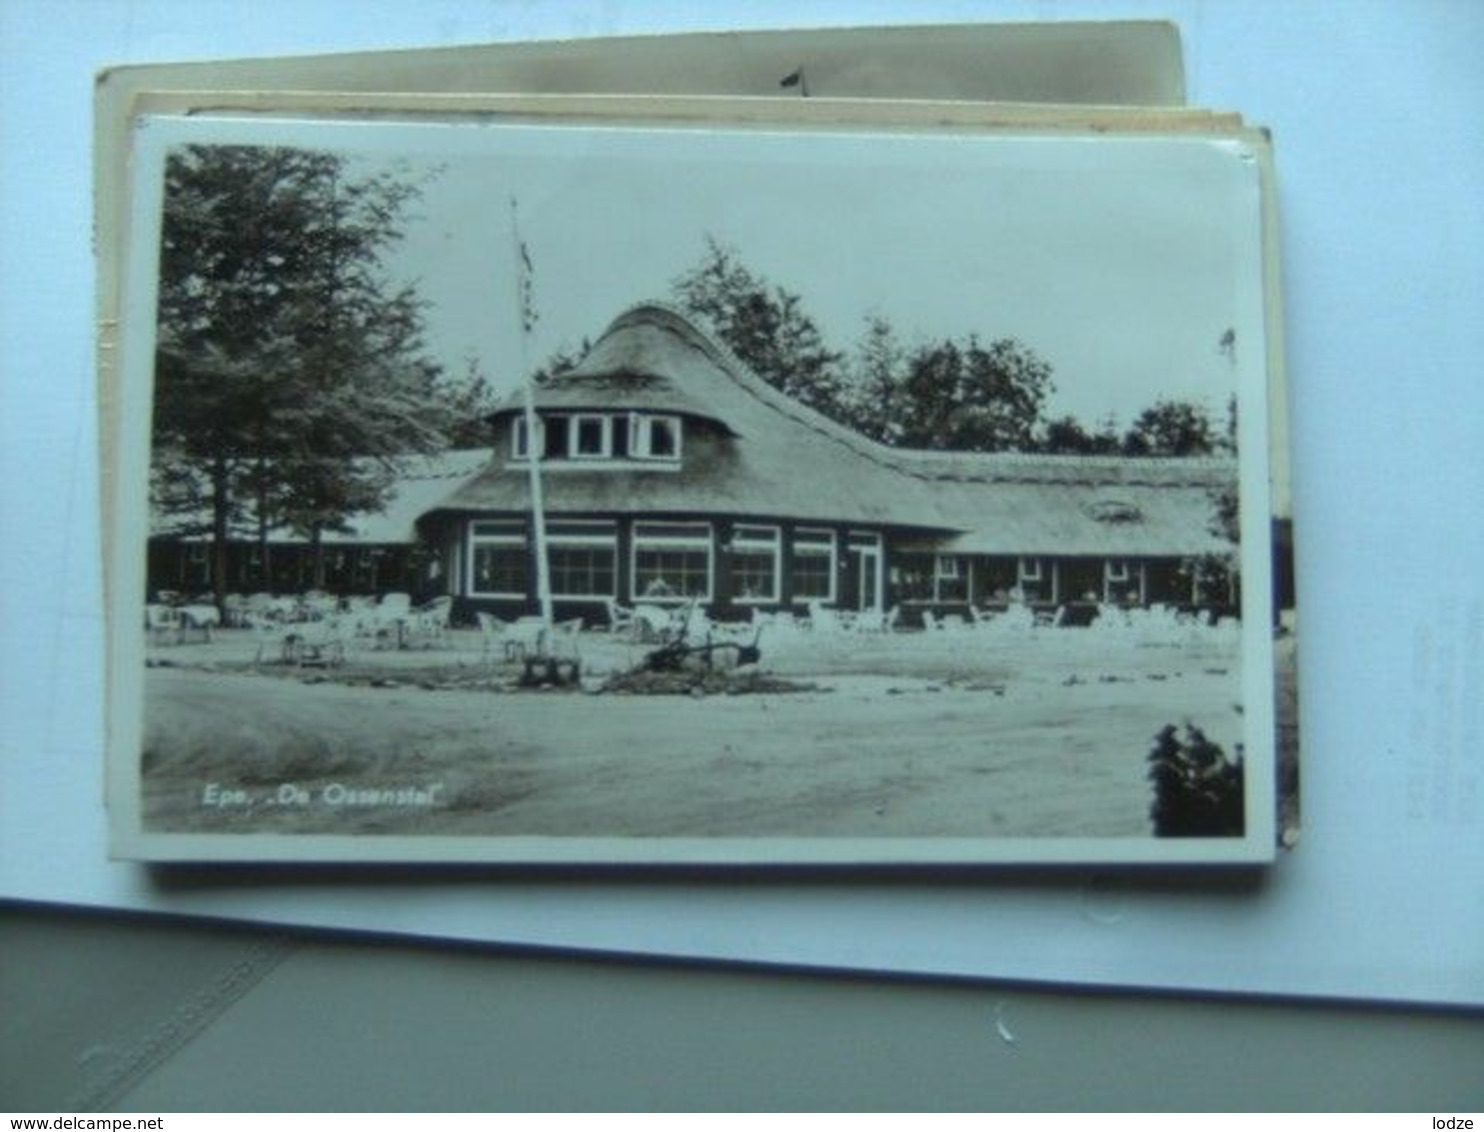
{"x":1197,"y":789}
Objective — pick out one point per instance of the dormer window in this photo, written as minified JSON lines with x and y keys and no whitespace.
{"x":590,"y":437}
{"x":654,"y":438}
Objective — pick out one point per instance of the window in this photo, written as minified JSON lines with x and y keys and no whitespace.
{"x":1034,"y":581}
{"x":950,"y":579}
{"x":599,"y":436}
{"x":582,"y":559}
{"x":499,"y":563}
{"x":519,"y":446}
{"x":813,"y":574}
{"x":912,"y":577}
{"x":756,"y":563}
{"x":672,"y":561}
{"x":553,"y":436}
{"x":1122,"y":582}
{"x":590,"y":437}
{"x":654,"y":438}
{"x":994,"y":578}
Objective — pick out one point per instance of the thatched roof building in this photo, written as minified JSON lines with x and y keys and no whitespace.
{"x":670,"y":472}
{"x":740,"y":453}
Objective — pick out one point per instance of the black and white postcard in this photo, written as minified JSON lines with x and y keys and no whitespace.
{"x":580,"y":490}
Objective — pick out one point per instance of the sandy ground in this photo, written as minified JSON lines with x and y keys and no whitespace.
{"x":908,"y":735}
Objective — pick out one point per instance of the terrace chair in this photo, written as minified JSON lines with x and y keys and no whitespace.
{"x":429,"y":623}
{"x":823,"y":619}
{"x":236,"y":607}
{"x":1018,"y":618}
{"x":495,"y":635}
{"x":162,"y":624}
{"x":318,"y":644}
{"x":267,"y":635}
{"x":198,"y":619}
{"x":621,"y":619}
{"x":931,"y":623}
{"x":394,"y":605}
{"x":565,"y":636}
{"x":316,"y":605}
{"x":387,"y":621}
{"x":652,"y":622}
{"x":260,"y":605}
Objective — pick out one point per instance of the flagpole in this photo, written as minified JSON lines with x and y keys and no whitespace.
{"x":526,"y":313}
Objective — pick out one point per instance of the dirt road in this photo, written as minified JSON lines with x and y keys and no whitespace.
{"x":950,"y":750}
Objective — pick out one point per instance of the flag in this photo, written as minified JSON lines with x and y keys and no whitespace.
{"x":793,"y":79}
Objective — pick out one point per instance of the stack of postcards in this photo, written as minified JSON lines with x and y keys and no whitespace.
{"x":836,"y":448}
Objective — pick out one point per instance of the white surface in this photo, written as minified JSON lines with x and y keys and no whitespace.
{"x":1381,"y":163}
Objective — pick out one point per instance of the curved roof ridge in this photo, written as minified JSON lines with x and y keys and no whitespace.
{"x":742,"y":374}
{"x":897,"y":459}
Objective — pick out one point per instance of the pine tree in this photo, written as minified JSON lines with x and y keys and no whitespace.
{"x":291,"y":378}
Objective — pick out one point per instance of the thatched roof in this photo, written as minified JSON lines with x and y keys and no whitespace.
{"x":421,"y":484}
{"x":425,"y":481}
{"x":785,"y":460}
{"x":629,"y":371}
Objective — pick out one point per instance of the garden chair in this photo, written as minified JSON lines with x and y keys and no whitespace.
{"x":652,"y":622}
{"x":198,"y":620}
{"x":388,"y":620}
{"x":823,"y":619}
{"x":621,"y":619}
{"x":428,"y":624}
{"x":316,"y":605}
{"x":162,"y":624}
{"x":495,"y":636}
{"x":236,"y":607}
{"x":314,"y":644}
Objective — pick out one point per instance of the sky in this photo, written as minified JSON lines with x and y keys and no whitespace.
{"x":1122,"y":262}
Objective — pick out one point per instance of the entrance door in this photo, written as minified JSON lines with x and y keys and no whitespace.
{"x":866,"y":572}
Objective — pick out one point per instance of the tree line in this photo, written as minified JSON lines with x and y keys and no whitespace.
{"x":966,"y":393}
{"x":292,"y":380}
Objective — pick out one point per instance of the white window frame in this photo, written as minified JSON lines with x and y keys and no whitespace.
{"x":601,"y":536}
{"x":518,"y":449}
{"x":1127,"y":572}
{"x":475,"y":541}
{"x":574,"y":431}
{"x":948,"y":568}
{"x":828,"y":540}
{"x":760,"y":537}
{"x":700,"y":540}
{"x":641,"y":437}
{"x":1029,"y":570}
